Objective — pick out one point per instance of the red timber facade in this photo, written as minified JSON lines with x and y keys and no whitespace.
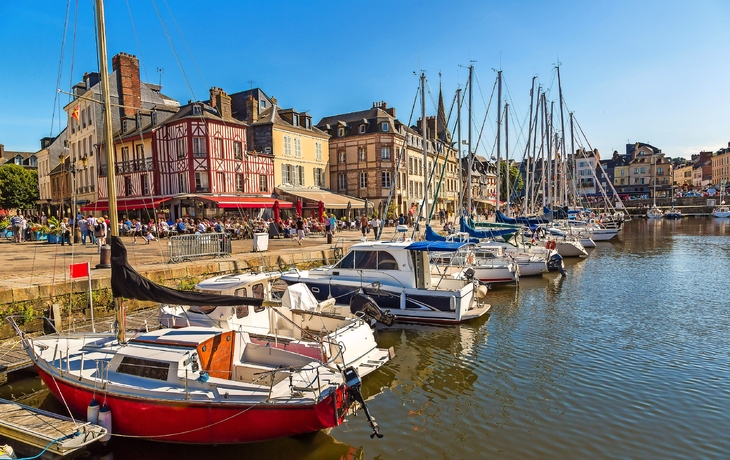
{"x":203,"y":150}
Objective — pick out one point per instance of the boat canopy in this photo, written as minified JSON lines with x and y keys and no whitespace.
{"x":441,"y":246}
{"x":485,"y":232}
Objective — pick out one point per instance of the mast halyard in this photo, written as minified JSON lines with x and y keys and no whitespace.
{"x":109,"y":147}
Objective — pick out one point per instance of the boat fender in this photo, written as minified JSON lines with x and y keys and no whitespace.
{"x":204,"y":375}
{"x":92,"y":411}
{"x":470,"y":260}
{"x":7,"y":453}
{"x":105,"y":421}
{"x":482,"y":292}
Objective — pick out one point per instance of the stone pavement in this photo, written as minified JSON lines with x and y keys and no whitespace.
{"x":38,"y":269}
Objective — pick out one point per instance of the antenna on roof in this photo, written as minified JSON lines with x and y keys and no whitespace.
{"x":250,"y":85}
{"x":160,"y":70}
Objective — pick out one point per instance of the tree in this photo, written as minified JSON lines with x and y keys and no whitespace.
{"x":515,"y":180}
{"x":18,"y":187}
{"x":391,"y":210}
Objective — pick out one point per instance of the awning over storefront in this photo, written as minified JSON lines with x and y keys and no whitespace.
{"x":125,"y":204}
{"x":331,"y":200}
{"x":239,"y":202}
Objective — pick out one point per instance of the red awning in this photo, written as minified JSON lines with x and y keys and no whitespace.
{"x":125,"y":204}
{"x":238,"y":202}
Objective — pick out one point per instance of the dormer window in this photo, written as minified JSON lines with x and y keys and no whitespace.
{"x":363,"y":128}
{"x":197,"y":110}
{"x":340,"y":132}
{"x":295,"y":119}
{"x":384,"y":126}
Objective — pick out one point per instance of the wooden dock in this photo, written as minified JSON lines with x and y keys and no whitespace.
{"x":38,"y":429}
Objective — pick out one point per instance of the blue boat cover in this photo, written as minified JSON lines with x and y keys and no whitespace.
{"x":486,"y":233}
{"x":441,"y":246}
{"x":431,"y":235}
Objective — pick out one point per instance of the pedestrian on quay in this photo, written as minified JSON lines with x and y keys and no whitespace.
{"x":100,"y":232}
{"x":363,"y":225}
{"x":300,"y":230}
{"x":17,"y":222}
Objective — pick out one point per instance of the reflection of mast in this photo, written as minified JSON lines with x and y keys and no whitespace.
{"x":109,"y":143}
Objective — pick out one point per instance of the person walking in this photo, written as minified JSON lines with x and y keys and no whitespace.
{"x":376,"y":225}
{"x":363,"y":225}
{"x":17,"y":222}
{"x":84,"y":227}
{"x":100,"y":232}
{"x":300,"y":230}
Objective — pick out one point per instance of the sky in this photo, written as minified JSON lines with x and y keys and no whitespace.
{"x":631,"y":71}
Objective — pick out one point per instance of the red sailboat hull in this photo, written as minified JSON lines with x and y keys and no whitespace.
{"x":202,"y":422}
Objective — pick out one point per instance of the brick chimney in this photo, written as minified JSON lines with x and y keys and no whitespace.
{"x":252,"y":110}
{"x":2,"y":151}
{"x":128,"y":83}
{"x":222,"y":102}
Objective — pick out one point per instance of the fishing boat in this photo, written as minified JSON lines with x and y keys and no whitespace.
{"x":399,"y":277}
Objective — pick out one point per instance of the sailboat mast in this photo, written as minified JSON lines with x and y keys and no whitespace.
{"x":425,"y":145}
{"x":506,"y":155}
{"x":109,"y":144}
{"x":562,"y":137}
{"x":545,"y":164}
{"x":528,"y":157}
{"x":499,"y":140}
{"x":470,"y":158}
{"x":458,"y":148}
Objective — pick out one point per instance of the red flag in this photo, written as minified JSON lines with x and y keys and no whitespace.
{"x":79,"y":270}
{"x":75,"y":113}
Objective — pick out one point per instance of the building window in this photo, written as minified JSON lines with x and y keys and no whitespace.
{"x":145,"y":185}
{"x":197,"y":110}
{"x":342,"y":181}
{"x":636,"y":170}
{"x":287,"y":146}
{"x":363,"y":179}
{"x":363,"y":128}
{"x":660,"y":171}
{"x":361,"y":154}
{"x":301,"y":175}
{"x":643,"y":170}
{"x":295,"y":119}
{"x":318,"y":151}
{"x":384,"y":126}
{"x":341,"y":132}
{"x":181,"y":148}
{"x":128,"y":186}
{"x":237,"y":150}
{"x":221,"y":179}
{"x":286,"y":174}
{"x":297,"y":148}
{"x":239,"y":182}
{"x":201,"y":182}
{"x":198,"y":147}
{"x":385,"y":179}
{"x":385,"y":153}
{"x":219,"y":148}
{"x":125,"y":154}
{"x":341,"y":156}
{"x":263,"y":182}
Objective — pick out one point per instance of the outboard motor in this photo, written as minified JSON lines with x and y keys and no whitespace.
{"x":365,"y":305}
{"x":555,"y":263}
{"x":469,"y":274}
{"x":354,"y":387}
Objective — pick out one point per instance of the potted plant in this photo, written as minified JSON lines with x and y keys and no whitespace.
{"x":53,"y":230}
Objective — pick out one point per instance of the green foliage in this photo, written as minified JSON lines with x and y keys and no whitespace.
{"x":515,"y":180}
{"x":18,"y":187}
{"x":54,"y":226}
{"x":392,"y":208}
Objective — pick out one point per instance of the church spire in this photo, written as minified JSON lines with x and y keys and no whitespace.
{"x":442,"y":130}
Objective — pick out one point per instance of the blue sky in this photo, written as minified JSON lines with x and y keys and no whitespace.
{"x":647,"y":71}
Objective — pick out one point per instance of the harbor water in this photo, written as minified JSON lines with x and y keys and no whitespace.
{"x":628,"y":357}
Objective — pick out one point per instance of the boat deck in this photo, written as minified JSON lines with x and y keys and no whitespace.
{"x":14,"y":358}
{"x":38,"y":428}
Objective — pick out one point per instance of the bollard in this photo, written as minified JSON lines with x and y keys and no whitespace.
{"x":329,"y":237}
{"x":105,"y":258}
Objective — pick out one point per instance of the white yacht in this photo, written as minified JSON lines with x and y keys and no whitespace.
{"x":398,"y":276}
{"x":654,"y":213}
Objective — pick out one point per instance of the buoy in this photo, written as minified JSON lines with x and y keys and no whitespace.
{"x":482,"y":292}
{"x":92,"y":411}
{"x":105,"y":420}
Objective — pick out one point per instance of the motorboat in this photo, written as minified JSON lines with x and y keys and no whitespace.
{"x":673,"y":213}
{"x":721,"y":211}
{"x":399,"y":277}
{"x":297,"y":322}
{"x":489,"y":265}
{"x":198,"y":385}
{"x":527,"y":264}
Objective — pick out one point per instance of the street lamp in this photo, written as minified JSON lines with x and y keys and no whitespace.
{"x":73,"y":170}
